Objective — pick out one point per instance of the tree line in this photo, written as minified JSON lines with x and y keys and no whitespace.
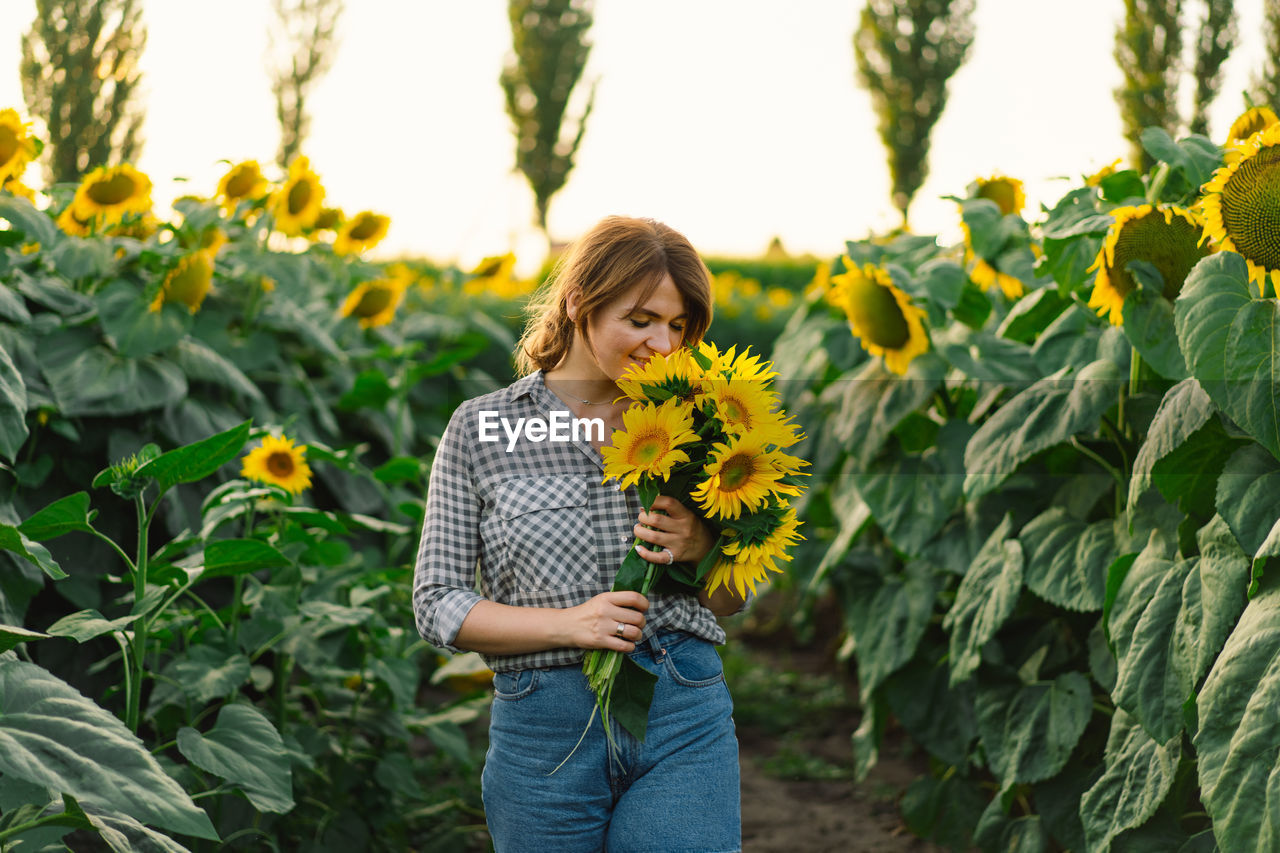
{"x":80,"y":75}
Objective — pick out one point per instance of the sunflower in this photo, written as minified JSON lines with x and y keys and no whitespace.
{"x":1006,"y":192}
{"x":374,"y":303}
{"x":742,"y":473}
{"x":986,"y":276}
{"x":110,"y":193}
{"x":1241,"y":207}
{"x":648,"y":445}
{"x":15,"y":187}
{"x":1168,"y":238}
{"x":279,"y":462}
{"x":881,"y":316}
{"x":747,"y":407}
{"x":72,"y":224}
{"x":242,"y":182}
{"x":662,"y":377}
{"x":495,"y":276}
{"x":188,"y":282}
{"x":1250,"y":122}
{"x":297,"y":204}
{"x":17,"y":146}
{"x":329,"y":219}
{"x":1102,"y":174}
{"x":747,"y":559}
{"x":363,"y":231}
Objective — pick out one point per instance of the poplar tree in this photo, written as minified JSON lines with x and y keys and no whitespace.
{"x":1217,"y":36}
{"x":549,"y":53}
{"x":906,"y":52}
{"x":1149,"y":52}
{"x":303,"y":43}
{"x":1266,"y":81}
{"x":80,"y":75}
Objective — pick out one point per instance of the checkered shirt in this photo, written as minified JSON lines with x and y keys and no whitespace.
{"x":537,"y":523}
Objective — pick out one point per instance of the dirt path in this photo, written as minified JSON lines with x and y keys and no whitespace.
{"x":795,"y":717}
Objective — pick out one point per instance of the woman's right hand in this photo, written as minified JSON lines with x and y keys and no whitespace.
{"x":594,"y":624}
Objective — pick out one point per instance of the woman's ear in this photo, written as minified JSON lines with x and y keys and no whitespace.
{"x":571,"y":306}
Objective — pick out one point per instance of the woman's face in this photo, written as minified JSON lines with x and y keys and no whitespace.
{"x":625,"y":333}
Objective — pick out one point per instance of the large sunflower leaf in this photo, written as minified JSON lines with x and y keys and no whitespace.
{"x":938,"y":716}
{"x":1028,"y":731}
{"x":985,"y":599}
{"x":11,"y":635}
{"x":1049,"y":412}
{"x":997,"y":830}
{"x":203,"y":363}
{"x":1148,"y":324}
{"x":1188,"y":476}
{"x":887,"y":615}
{"x":12,"y":539}
{"x":98,"y":382}
{"x":1184,"y":409}
{"x":244,"y":748}
{"x":13,"y":408}
{"x":25,"y":217}
{"x":52,"y":736}
{"x":875,"y":401}
{"x":65,"y":515}
{"x":1139,"y":773}
{"x":1169,"y":620}
{"x":204,"y":673}
{"x":135,"y":329}
{"x":945,"y":811}
{"x":912,"y":496}
{"x":1246,"y":495}
{"x":1238,"y":741}
{"x":1067,"y":559}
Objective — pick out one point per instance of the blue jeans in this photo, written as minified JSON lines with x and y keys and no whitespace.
{"x":677,"y":792}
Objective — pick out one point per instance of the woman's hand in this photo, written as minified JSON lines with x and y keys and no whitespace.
{"x":679,"y":534}
{"x":611,"y":620}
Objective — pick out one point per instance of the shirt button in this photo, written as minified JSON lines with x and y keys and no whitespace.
{"x":622,"y":538}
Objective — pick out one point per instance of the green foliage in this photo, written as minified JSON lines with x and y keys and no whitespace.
{"x":906,"y":51}
{"x":80,"y":75}
{"x":303,"y":36}
{"x":1216,"y":37}
{"x":1149,"y":52}
{"x":549,"y":40}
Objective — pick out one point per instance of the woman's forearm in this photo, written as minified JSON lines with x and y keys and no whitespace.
{"x":503,"y":629}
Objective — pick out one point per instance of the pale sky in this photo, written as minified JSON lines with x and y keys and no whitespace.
{"x":731,"y":120}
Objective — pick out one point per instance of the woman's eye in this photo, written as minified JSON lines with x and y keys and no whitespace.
{"x":639,"y":324}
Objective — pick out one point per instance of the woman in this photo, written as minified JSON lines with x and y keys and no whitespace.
{"x":525,"y":509}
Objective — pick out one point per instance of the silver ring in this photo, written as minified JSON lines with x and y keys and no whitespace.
{"x":621,"y":627}
{"x":671,"y":558}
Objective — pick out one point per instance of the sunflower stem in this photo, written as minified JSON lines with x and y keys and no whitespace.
{"x":1158,"y":180}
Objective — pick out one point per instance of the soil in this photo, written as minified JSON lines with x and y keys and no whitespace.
{"x":788,"y":810}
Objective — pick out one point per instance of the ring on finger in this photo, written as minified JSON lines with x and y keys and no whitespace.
{"x":619,"y":631}
{"x":671,"y":557}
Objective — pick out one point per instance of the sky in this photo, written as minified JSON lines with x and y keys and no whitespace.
{"x":734,"y":121}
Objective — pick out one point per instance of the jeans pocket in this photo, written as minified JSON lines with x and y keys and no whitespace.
{"x":694,"y":663}
{"x":516,"y":684}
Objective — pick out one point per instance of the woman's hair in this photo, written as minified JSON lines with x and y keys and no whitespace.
{"x":610,"y":259}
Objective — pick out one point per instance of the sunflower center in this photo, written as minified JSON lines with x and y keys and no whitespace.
{"x":1001,"y":192}
{"x":280,"y":464}
{"x":733,"y":410}
{"x":8,"y":144}
{"x":366,"y":228}
{"x":1251,"y":208}
{"x":241,"y":183}
{"x":1171,"y":247}
{"x":878,"y":314}
{"x":648,"y":448}
{"x":114,"y":190}
{"x":374,"y":301}
{"x":736,"y":471}
{"x":299,"y":197}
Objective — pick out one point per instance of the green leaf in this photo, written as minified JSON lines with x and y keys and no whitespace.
{"x":985,"y":599}
{"x":52,"y":736}
{"x":943,"y":810}
{"x":938,"y":716}
{"x":1238,"y":741}
{"x":875,"y":401}
{"x":196,"y":461}
{"x":1028,"y":731}
{"x":1067,"y":559}
{"x":1047,"y":413}
{"x":229,"y":557}
{"x":203,"y":674}
{"x":371,"y":390}
{"x":1074,"y":215}
{"x":631,"y":697}
{"x":24,"y":217}
{"x":13,"y":408}
{"x":65,"y":515}
{"x":134,"y":328}
{"x":997,"y":831}
{"x":12,"y":539}
{"x":1139,"y":773}
{"x":1189,"y":476}
{"x":123,"y":834}
{"x":77,"y":257}
{"x":1031,"y":315}
{"x":246,"y":750}
{"x":1169,"y":620}
{"x":87,"y":624}
{"x":1183,"y":410}
{"x":1070,"y":341}
{"x":1148,"y":324}
{"x":202,"y":363}
{"x":11,"y":635}
{"x":401,"y":469}
{"x":1246,"y":495}
{"x":98,"y":382}
{"x":887,"y":615}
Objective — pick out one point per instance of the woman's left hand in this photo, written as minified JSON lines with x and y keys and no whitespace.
{"x":673,"y":528}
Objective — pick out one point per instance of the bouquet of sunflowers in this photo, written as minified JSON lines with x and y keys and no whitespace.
{"x":702,"y":427}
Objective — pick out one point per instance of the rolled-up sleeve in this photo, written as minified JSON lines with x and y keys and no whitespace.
{"x":444,"y":577}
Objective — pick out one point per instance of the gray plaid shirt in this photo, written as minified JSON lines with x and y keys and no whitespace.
{"x":536,"y":521}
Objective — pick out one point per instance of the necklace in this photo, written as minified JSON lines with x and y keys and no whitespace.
{"x":591,"y":402}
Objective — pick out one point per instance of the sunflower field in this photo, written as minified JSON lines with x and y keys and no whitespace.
{"x":1044,"y":467}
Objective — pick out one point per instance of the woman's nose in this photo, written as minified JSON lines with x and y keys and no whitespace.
{"x":664,"y":341}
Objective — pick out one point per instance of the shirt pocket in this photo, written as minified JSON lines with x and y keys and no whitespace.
{"x":547,"y":533}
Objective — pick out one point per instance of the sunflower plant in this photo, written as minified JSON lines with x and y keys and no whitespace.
{"x":703,"y":427}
